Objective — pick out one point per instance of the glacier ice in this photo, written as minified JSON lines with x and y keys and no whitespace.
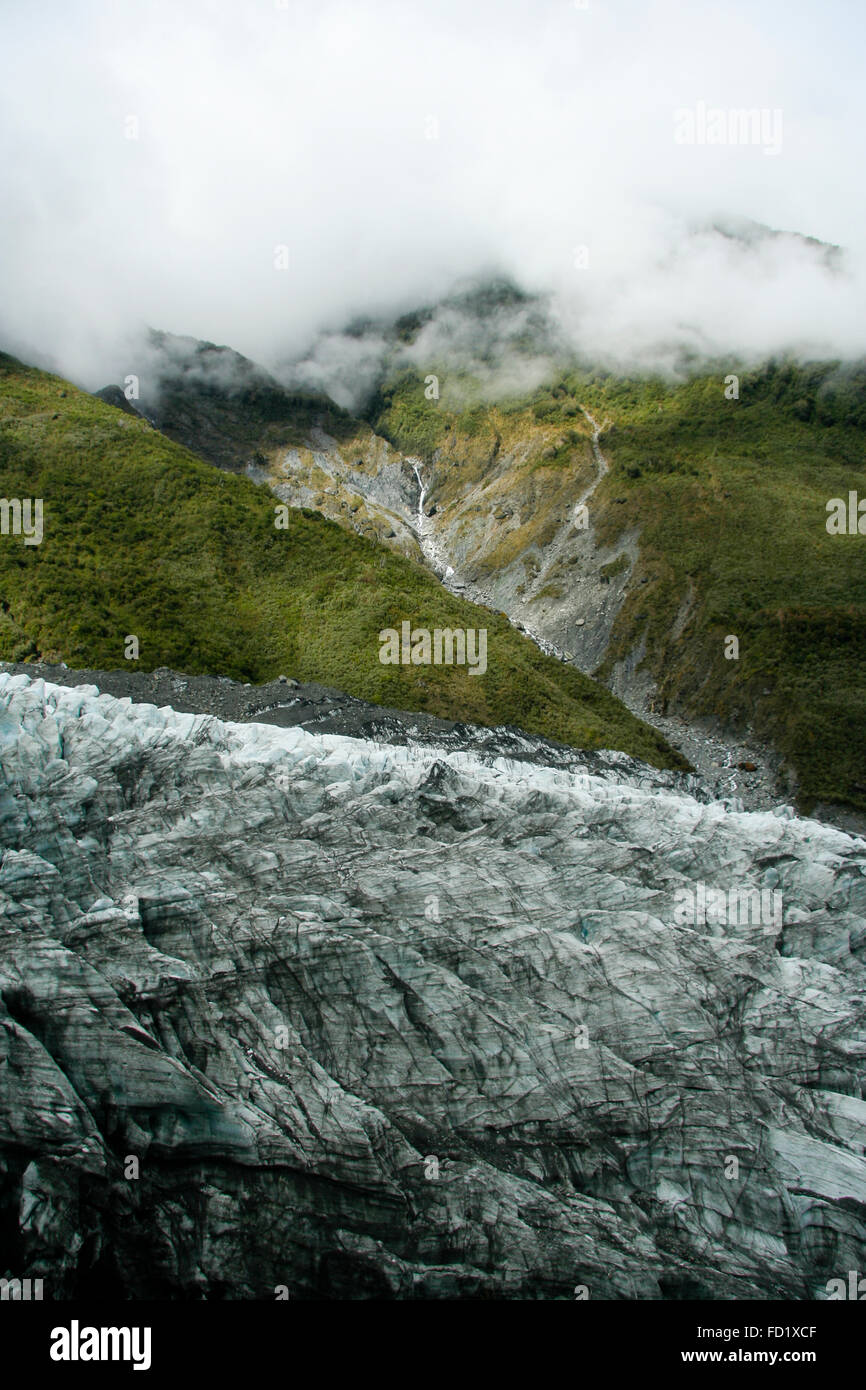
{"x":286,"y":970}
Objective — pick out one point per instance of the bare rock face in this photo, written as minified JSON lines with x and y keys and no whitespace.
{"x":314,"y":1014}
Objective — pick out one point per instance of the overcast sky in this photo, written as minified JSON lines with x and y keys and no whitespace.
{"x":393,"y":147}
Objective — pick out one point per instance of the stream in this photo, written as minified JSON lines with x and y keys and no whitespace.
{"x":714,"y":754}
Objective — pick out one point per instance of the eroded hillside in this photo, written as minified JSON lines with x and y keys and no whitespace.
{"x":632,"y":526}
{"x":144,"y":540}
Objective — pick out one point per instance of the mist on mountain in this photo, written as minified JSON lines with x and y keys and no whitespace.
{"x":263,"y":176}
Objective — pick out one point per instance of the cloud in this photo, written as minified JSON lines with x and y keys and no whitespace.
{"x":392,"y":148}
{"x":348,"y":367}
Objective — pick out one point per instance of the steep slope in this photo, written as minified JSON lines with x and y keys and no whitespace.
{"x":731,"y":500}
{"x":221,"y":405}
{"x":236,"y":415}
{"x":143,"y":539}
{"x":706,"y":512}
{"x":710,"y":523}
{"x":286,"y":1012}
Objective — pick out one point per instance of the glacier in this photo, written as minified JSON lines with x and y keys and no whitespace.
{"x":287,"y":1014}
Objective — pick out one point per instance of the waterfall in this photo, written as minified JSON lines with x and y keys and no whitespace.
{"x":425,"y":532}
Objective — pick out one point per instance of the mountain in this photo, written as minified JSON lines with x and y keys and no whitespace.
{"x":752,"y":235}
{"x":706,"y":493}
{"x":220,"y":404}
{"x":143,"y":539}
{"x":328,"y":978}
{"x":311,"y":1016}
{"x":706,"y":519}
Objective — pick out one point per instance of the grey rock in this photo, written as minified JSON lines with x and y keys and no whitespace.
{"x":114,"y":395}
{"x":395,"y":1021}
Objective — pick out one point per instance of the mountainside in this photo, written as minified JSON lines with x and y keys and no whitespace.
{"x":223,"y":406}
{"x":708,"y":521}
{"x":705,"y":495}
{"x":281,"y":1012}
{"x":706,"y":500}
{"x":699,"y":580}
{"x":432,"y":678}
{"x":142,"y":539}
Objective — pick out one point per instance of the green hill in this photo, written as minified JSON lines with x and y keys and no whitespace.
{"x":142,"y":537}
{"x":728,"y":498}
{"x":731,"y":498}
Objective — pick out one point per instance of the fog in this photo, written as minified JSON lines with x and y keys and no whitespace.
{"x":259,"y":175}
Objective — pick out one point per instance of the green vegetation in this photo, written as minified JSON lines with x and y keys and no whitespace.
{"x":141,"y":537}
{"x":401,"y":412}
{"x":533,"y":467}
{"x":229,"y":410}
{"x":729,"y":500}
{"x":615,"y":567}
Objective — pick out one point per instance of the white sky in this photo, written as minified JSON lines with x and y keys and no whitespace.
{"x":306,"y":126}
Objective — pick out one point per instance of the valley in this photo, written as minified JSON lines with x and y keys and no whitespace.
{"x":145,"y":539}
{"x":630,"y":528}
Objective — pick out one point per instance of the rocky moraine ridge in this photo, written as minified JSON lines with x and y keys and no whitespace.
{"x":379,"y":1020}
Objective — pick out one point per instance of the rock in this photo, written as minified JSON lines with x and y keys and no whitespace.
{"x":114,"y":395}
{"x":400,"y":1022}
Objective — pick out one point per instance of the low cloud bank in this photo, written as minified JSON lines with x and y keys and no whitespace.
{"x":263,"y":175}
